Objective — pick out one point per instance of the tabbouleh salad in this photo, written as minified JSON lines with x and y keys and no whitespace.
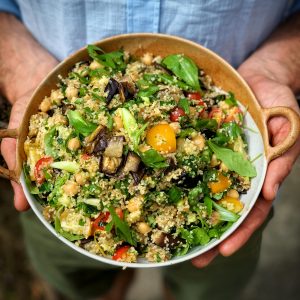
{"x":138,"y":157}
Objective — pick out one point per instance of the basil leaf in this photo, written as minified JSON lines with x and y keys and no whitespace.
{"x":80,"y":125}
{"x":113,"y":60}
{"x":184,"y":68}
{"x":184,"y":104}
{"x":200,"y":237}
{"x":234,"y":161}
{"x":210,"y":124}
{"x":121,"y":227}
{"x":175,"y":194}
{"x":151,"y":158}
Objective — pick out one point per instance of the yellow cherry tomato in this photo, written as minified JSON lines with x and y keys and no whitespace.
{"x":162,"y":138}
{"x":221,"y":185}
{"x":232,"y":204}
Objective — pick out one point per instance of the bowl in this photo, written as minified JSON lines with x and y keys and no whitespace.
{"x":222,"y":74}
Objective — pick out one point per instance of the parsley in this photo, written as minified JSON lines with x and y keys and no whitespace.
{"x":151,"y":158}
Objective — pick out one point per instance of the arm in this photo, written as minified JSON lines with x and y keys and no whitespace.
{"x":273,"y":73}
{"x":23,"y":64}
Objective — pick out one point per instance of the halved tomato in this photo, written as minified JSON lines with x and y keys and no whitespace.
{"x":120,"y":252}
{"x":39,"y":168}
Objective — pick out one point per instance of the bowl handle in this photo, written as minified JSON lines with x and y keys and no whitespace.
{"x":6,"y":173}
{"x":290,"y":140}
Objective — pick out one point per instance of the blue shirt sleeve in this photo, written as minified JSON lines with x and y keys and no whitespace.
{"x":10,"y":6}
{"x":295,"y":7}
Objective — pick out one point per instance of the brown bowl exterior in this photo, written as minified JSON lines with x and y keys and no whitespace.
{"x":220,"y":71}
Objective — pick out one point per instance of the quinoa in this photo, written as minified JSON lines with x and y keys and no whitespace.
{"x":123,"y":156}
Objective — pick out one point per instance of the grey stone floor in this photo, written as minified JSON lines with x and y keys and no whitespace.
{"x":276,"y":278}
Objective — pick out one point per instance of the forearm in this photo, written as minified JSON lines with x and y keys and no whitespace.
{"x":23,"y":61}
{"x":278,"y":58}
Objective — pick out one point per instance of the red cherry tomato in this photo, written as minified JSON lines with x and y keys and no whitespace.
{"x":40,"y":166}
{"x":120,"y":252}
{"x":100,"y":222}
{"x":194,"y":96}
{"x":176,"y":113}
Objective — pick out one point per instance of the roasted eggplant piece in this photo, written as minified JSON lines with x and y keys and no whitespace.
{"x":138,"y":176}
{"x":131,"y":164}
{"x":126,"y":90}
{"x":112,"y":88}
{"x":101,"y":141}
{"x":166,"y":240}
{"x":109,"y":165}
{"x":115,"y":147}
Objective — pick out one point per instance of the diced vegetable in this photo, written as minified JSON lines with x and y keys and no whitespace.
{"x":40,"y":167}
{"x":222,"y":184}
{"x":69,"y":166}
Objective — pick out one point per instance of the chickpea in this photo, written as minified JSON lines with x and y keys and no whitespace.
{"x":147,"y":59}
{"x":45,"y":105}
{"x":214,"y":161}
{"x":143,"y":228}
{"x":71,"y":92}
{"x":118,"y":123}
{"x":56,"y":97}
{"x":135,"y":203}
{"x":223,"y":167}
{"x":59,"y":119}
{"x":80,"y":178}
{"x":70,"y":188}
{"x":74,"y":144}
{"x":95,"y":65}
{"x":233,"y":194}
{"x":199,"y":141}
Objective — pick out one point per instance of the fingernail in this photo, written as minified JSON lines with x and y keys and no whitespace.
{"x":276,"y":187}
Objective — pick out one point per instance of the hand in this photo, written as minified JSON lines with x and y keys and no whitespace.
{"x":269,"y":93}
{"x":8,"y":145}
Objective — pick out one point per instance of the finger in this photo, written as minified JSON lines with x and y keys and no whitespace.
{"x":239,"y":238}
{"x":206,"y":258}
{"x":20,"y":200}
{"x":278,"y":170}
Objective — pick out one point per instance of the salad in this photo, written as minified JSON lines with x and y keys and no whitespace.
{"x":138,"y":157}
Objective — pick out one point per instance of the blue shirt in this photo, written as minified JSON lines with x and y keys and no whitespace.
{"x":232,"y":28}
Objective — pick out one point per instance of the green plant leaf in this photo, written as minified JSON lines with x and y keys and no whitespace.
{"x":234,"y":161}
{"x":184,"y":68}
{"x":184,"y":104}
{"x":153,"y":159}
{"x":48,"y":140}
{"x":224,"y":214}
{"x":69,"y":166}
{"x":80,"y":125}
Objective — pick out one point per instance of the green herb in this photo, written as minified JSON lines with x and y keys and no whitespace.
{"x":81,"y":222}
{"x":175,"y":194}
{"x":82,"y":79}
{"x":210,"y":124}
{"x":234,"y":161}
{"x":87,"y":209}
{"x":230,"y":100}
{"x":200,"y":236}
{"x":69,"y":236}
{"x":208,"y":203}
{"x":59,"y":182}
{"x":184,"y":68}
{"x":98,"y":97}
{"x":48,"y":140}
{"x":113,"y":60}
{"x":186,"y":132}
{"x":151,"y":158}
{"x":69,"y":166}
{"x":121,"y":228}
{"x":98,"y":73}
{"x":110,"y":122}
{"x":149,"y":91}
{"x":195,"y":195}
{"x":80,"y":125}
{"x":224,"y":214}
{"x":184,"y":104}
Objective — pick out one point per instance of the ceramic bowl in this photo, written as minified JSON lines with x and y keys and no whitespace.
{"x":223,"y":76}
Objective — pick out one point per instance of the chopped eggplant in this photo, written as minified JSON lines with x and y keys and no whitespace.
{"x":67,"y":106}
{"x":126,"y":90}
{"x":115,"y":147}
{"x":166,"y":240}
{"x":110,"y":165}
{"x":112,"y":88}
{"x":137,"y":176}
{"x":90,"y":138}
{"x":101,"y":141}
{"x":131,"y":164}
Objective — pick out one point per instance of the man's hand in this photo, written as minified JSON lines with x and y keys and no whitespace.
{"x":23,"y":64}
{"x":273,"y":73}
